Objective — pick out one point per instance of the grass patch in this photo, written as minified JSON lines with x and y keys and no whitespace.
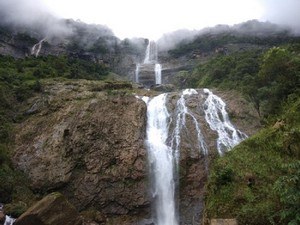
{"x":256,"y":181}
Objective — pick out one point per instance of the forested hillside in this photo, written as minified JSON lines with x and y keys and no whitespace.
{"x":258,"y":181}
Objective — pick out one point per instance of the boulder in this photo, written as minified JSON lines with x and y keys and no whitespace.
{"x":54,"y":209}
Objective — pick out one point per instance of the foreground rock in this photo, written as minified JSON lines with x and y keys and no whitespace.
{"x":87,"y":142}
{"x":53,"y":209}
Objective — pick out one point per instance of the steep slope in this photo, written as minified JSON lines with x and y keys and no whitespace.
{"x":91,"y":147}
{"x":258,"y":181}
{"x":75,"y":39}
{"x":85,"y":139}
{"x":180,"y":53}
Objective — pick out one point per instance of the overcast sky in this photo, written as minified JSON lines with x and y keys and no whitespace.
{"x":152,"y":18}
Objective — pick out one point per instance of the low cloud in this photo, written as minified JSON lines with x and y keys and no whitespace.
{"x":285,"y":12}
{"x":31,"y":15}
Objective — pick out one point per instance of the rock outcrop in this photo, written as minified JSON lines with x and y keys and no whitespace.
{"x":53,"y":209}
{"x":87,"y":141}
{"x":194,"y":162}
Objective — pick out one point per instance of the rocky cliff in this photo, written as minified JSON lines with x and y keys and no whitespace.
{"x":75,"y":39}
{"x":88,"y":144}
{"x":86,"y":140}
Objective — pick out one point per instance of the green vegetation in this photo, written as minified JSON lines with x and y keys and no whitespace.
{"x":19,"y":80}
{"x":258,"y":182}
{"x":267,"y":78}
{"x":209,"y":42}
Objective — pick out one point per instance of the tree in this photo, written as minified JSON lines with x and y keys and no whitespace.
{"x":288,"y":189}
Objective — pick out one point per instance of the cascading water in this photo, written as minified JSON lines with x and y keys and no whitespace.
{"x":9,"y":220}
{"x":181,"y":112}
{"x":151,"y":53}
{"x":149,"y":72}
{"x":161,"y":161}
{"x":164,"y":146}
{"x":35,"y":50}
{"x":218,"y":120}
{"x":157,"y":73}
{"x":137,"y":69}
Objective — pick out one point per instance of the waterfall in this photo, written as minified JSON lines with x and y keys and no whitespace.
{"x":157,"y":73}
{"x":35,"y":50}
{"x":147,"y":54}
{"x":137,"y":69}
{"x":218,"y":120}
{"x":9,"y":220}
{"x":181,"y":112}
{"x":149,"y":72}
{"x":151,"y":53}
{"x":182,"y":117}
{"x":161,"y":161}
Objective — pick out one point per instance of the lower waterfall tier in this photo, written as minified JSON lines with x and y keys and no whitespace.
{"x":88,"y":144}
{"x":149,"y":74}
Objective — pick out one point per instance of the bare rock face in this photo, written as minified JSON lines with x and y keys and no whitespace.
{"x":147,"y":74}
{"x":196,"y":158}
{"x":241,"y":112}
{"x":53,"y":209}
{"x":89,"y":145}
{"x":86,"y":140}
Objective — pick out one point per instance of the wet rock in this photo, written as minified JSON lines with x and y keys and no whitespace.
{"x":88,"y":143}
{"x":241,"y":112}
{"x":194,"y":161}
{"x":53,"y":209}
{"x":164,"y":88}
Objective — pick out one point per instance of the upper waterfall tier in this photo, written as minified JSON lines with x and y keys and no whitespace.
{"x":149,"y":72}
{"x":151,"y":53}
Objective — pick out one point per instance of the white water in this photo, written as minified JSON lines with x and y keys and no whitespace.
{"x":218,"y":120}
{"x":137,"y":70}
{"x":164,"y":148}
{"x":161,"y":160}
{"x":151,"y":53}
{"x":9,"y":220}
{"x":157,"y":73}
{"x":151,"y":61}
{"x":147,"y":55}
{"x":181,"y":112}
{"x":35,"y":50}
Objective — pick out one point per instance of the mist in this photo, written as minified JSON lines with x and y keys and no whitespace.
{"x":285,"y":12}
{"x":32,"y":16}
{"x":35,"y":17}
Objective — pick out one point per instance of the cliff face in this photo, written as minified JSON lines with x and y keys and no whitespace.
{"x":194,"y":162}
{"x":88,"y":145}
{"x":84,"y":41}
{"x":86,"y":140}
